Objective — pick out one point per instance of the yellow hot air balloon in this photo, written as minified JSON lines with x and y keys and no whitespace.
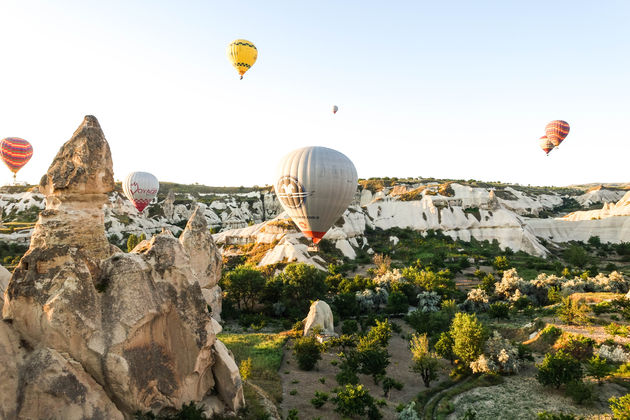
{"x":242,"y":54}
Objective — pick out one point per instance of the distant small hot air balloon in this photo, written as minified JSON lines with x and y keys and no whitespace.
{"x":546,"y":144}
{"x":242,"y":54}
{"x":140,"y":188}
{"x":15,"y":153}
{"x":315,"y":185}
{"x":335,"y":109}
{"x":557,"y":131}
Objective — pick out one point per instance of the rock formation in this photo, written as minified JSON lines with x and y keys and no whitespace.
{"x":319,"y":316}
{"x":91,"y":332}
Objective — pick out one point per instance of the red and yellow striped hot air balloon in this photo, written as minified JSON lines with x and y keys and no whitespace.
{"x":557,"y":131}
{"x":546,"y":144}
{"x":15,"y":153}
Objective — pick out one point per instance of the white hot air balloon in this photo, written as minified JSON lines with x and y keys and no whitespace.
{"x":140,"y":188}
{"x":315,"y":185}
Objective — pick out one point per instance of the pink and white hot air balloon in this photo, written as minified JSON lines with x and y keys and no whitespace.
{"x":140,"y":188}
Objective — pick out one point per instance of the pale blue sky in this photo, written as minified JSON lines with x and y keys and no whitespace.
{"x":451,"y":89}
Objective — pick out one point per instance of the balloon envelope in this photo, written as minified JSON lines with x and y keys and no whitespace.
{"x":315,"y":185}
{"x":557,"y":131}
{"x":140,"y":188}
{"x":335,"y":109}
{"x":242,"y":54}
{"x":546,"y":144}
{"x":15,"y":152}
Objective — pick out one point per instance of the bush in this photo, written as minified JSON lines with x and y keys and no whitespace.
{"x":577,"y":346}
{"x":580,"y":392}
{"x":550,"y":333}
{"x":598,"y":368}
{"x":320,"y":399}
{"x":558,"y":369}
{"x":573,"y":312}
{"x":349,"y":326}
{"x":389,"y":384}
{"x":576,"y":255}
{"x":602,"y":308}
{"x":616,"y":329}
{"x":397,"y":303}
{"x":499,"y":310}
{"x":620,"y":407}
{"x":245,"y":368}
{"x":444,"y":347}
{"x":307,"y":351}
{"x":424,"y":363}
{"x":244,"y":284}
{"x":355,"y":401}
{"x":409,"y":412}
{"x":546,"y":415}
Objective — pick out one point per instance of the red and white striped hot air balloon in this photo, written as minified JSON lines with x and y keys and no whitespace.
{"x":140,"y":188}
{"x":546,"y":145}
{"x":15,"y":153}
{"x":557,"y":131}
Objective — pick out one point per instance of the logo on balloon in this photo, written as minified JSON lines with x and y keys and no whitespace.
{"x":290,"y":192}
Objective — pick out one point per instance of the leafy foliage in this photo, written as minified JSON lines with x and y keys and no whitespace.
{"x":354,"y":400}
{"x":307,"y":351}
{"x":468,"y":338}
{"x":558,"y":369}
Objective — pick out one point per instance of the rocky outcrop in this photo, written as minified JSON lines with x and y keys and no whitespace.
{"x":5,"y":275}
{"x":106,"y":333}
{"x":319,"y":317}
{"x":205,"y":259}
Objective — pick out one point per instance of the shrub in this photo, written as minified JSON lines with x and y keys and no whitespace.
{"x":346,"y":304}
{"x":245,"y":368}
{"x":319,"y":399}
{"x":576,"y":255}
{"x":476,"y":300}
{"x":373,"y":359}
{"x":444,"y":347}
{"x":620,"y":407}
{"x":307,"y":351}
{"x":356,"y":401}
{"x":429,"y":302}
{"x":397,"y":303}
{"x":501,"y":264}
{"x":380,"y":333}
{"x":573,"y":312}
{"x":616,"y":329}
{"x":613,"y":353}
{"x":499,"y":310}
{"x":550,"y":333}
{"x":499,"y":356}
{"x":580,"y":392}
{"x":349,"y":326}
{"x":558,"y":369}
{"x":389,"y":384}
{"x":546,"y":415}
{"x":293,"y":414}
{"x":598,"y":368}
{"x":409,"y":412}
{"x":578,"y":346}
{"x":602,"y":308}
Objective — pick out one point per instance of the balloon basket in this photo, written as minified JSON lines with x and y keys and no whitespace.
{"x":313,"y":248}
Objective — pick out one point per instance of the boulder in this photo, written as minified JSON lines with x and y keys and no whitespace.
{"x":319,"y":315}
{"x":228,"y":378}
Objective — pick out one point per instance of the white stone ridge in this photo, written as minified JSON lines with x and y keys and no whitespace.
{"x":471,"y":212}
{"x":599,"y":195}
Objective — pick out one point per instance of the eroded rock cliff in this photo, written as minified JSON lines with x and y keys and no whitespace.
{"x":92,"y":332}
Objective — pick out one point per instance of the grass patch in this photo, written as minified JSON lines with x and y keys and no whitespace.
{"x":265,"y":350}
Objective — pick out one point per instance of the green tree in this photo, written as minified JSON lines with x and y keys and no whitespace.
{"x":244,"y":285}
{"x":573,"y":311}
{"x":444,"y":347}
{"x":397,"y":303}
{"x":620,"y":407}
{"x":307,"y":351}
{"x":558,"y":369}
{"x":354,"y":400}
{"x":373,"y":358}
{"x":440,"y":282}
{"x":598,"y":368}
{"x":132,"y":241}
{"x":424,"y":363}
{"x":303,"y":283}
{"x":500,"y":263}
{"x":468,"y":338}
{"x":576,"y":255}
{"x":380,"y":333}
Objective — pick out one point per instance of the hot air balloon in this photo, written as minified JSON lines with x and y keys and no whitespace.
{"x":546,"y":144}
{"x":315,"y":185}
{"x":557,"y":131}
{"x":242,"y":54}
{"x":140,"y":188}
{"x":335,"y":109}
{"x":15,"y":153}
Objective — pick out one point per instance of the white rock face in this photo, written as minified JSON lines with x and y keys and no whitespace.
{"x":319,"y":315}
{"x":599,"y":195}
{"x":5,"y":276}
